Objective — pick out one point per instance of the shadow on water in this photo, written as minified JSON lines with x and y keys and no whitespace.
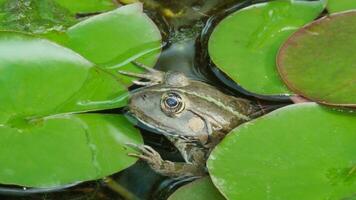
{"x":185,"y":26}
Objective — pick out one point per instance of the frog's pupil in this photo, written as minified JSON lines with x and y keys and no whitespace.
{"x":171,"y":102}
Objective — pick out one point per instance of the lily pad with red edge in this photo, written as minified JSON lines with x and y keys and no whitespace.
{"x":201,"y":189}
{"x":319,"y":63}
{"x":244,"y":45}
{"x":42,"y":143}
{"x":303,"y":151}
{"x":334,"y":6}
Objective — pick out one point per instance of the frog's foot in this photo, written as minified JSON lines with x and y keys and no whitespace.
{"x":148,"y":154}
{"x":152,"y":76}
{"x":165,"y":167}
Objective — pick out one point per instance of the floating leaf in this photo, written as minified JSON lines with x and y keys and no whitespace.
{"x":202,"y":189}
{"x":65,"y":149}
{"x":318,"y":61}
{"x":87,"y":6}
{"x":340,"y":5}
{"x":40,"y":146}
{"x":34,"y":16}
{"x":244,"y":45}
{"x":113,"y":39}
{"x":302,"y":151}
{"x":36,"y":83}
{"x":100,"y":39}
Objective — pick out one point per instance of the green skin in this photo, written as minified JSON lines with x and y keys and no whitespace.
{"x":195,"y":126}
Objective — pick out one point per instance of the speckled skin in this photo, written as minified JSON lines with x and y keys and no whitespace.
{"x":206,"y":117}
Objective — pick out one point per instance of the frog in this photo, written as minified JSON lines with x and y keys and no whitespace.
{"x":193,"y":115}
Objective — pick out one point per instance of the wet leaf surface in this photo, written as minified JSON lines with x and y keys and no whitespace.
{"x":100,"y":38}
{"x":43,"y":82}
{"x":87,"y":6}
{"x":303,"y":151}
{"x":34,"y":16}
{"x":244,"y":45}
{"x":37,"y":83}
{"x":65,"y":149}
{"x":41,"y":146}
{"x":103,"y":40}
{"x":318,"y":61}
{"x":201,"y":189}
{"x":340,"y":5}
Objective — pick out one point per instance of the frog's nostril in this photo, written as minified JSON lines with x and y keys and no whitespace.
{"x":143,"y":97}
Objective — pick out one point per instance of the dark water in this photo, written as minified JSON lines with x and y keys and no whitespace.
{"x":185,"y":26}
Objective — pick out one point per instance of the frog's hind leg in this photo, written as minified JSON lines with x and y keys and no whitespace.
{"x":165,"y":167}
{"x":152,"y":76}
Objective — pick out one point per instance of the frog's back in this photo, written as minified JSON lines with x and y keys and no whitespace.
{"x":229,"y":111}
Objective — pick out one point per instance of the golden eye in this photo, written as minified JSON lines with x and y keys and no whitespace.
{"x":172,"y":103}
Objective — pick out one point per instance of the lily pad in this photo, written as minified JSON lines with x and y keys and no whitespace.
{"x":340,"y":5}
{"x":303,"y":151}
{"x":319,"y":63}
{"x":37,"y":83}
{"x":87,"y":6}
{"x":113,"y":39}
{"x":202,"y":189}
{"x":34,"y":16}
{"x":244,"y":45}
{"x":42,"y":146}
{"x":65,"y":149}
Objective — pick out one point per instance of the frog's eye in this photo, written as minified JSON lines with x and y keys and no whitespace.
{"x":172,"y":103}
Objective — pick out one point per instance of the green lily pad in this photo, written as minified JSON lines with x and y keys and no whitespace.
{"x":65,"y":149}
{"x":38,"y":84}
{"x":319,"y":63}
{"x":87,"y":6}
{"x":340,"y":5}
{"x":41,"y":146}
{"x":244,"y":45}
{"x":202,"y":189}
{"x":34,"y":16}
{"x":44,"y":16}
{"x":113,"y":39}
{"x":303,"y":151}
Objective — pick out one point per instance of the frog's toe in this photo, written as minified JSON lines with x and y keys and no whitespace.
{"x":148,"y":154}
{"x":141,"y":156}
{"x":145,"y":149}
{"x":143,"y":66}
{"x":152,"y":76}
{"x":136,"y":75}
{"x":133,"y":145}
{"x":153,"y":161}
{"x":150,"y":151}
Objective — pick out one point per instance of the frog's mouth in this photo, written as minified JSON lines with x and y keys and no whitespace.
{"x":154,"y":126}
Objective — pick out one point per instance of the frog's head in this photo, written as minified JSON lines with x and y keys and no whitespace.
{"x":166,"y":107}
{"x":178,"y":106}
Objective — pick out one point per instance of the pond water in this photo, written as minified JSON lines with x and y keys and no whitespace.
{"x":185,"y":26}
